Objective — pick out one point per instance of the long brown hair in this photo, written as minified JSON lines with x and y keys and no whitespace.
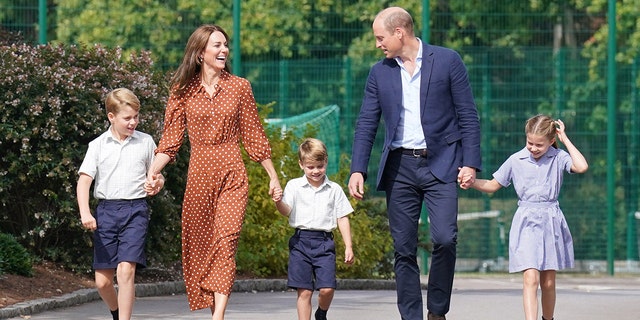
{"x":191,"y":65}
{"x":542,"y":125}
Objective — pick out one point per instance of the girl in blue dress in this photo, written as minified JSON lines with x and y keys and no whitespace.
{"x":539,"y":241}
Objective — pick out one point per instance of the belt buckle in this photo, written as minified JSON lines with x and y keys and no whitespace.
{"x":417,"y":152}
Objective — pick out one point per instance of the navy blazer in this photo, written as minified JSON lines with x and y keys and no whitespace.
{"x":448,"y":111}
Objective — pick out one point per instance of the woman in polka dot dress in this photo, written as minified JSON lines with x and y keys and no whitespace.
{"x":218,"y":110}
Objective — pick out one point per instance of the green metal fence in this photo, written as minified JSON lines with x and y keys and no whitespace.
{"x":517,"y":69}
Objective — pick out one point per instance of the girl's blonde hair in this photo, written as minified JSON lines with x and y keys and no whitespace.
{"x":542,"y":125}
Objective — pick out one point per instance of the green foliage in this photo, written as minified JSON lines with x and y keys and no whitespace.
{"x":51,"y":106}
{"x":519,"y":62}
{"x":273,"y":27}
{"x":116,"y":22}
{"x":263,"y":247}
{"x":14,"y":258}
{"x":372,"y":244}
{"x":627,"y":36}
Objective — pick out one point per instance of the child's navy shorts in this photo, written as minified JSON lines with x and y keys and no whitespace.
{"x":121,"y":233}
{"x":312,"y":260}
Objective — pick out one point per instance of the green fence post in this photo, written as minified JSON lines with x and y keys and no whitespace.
{"x":611,"y":133}
{"x":424,"y":216}
{"x":424,"y":230}
{"x":501,"y":238}
{"x":346,"y":119}
{"x":237,"y":61}
{"x":560,"y":72}
{"x":42,"y":21}
{"x":426,"y":12}
{"x":632,"y":235}
{"x":485,"y":113}
{"x":283,"y":87}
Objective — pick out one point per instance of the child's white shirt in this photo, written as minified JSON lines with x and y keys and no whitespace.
{"x":315,"y":208}
{"x":119,"y":169}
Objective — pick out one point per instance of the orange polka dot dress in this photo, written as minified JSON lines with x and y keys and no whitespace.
{"x":217,"y":186}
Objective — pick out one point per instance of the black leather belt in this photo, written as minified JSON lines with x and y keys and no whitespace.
{"x":314,"y":233}
{"x":122,"y":201}
{"x":413,"y":152}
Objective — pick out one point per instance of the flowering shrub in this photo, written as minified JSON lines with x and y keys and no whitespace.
{"x":51,"y":106}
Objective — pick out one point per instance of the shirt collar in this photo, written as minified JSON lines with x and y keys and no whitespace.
{"x":110,"y":136}
{"x":196,"y":83}
{"x":325,"y":183}
{"x":524,"y":154}
{"x":418,"y":57}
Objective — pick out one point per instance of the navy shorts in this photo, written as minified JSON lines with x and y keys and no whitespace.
{"x":121,"y":233}
{"x":312,"y":260}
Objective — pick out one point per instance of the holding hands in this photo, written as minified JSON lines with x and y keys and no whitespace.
{"x":466,"y":177}
{"x":154,"y":184}
{"x":275,"y":191}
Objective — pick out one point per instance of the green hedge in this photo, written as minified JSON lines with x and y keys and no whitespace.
{"x":51,"y":106}
{"x":263,"y":247}
{"x":14,"y":258}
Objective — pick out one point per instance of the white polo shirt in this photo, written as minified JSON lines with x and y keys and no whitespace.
{"x":315,"y":208}
{"x":119,"y":169}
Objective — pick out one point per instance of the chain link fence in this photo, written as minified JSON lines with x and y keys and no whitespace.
{"x":511,"y":83}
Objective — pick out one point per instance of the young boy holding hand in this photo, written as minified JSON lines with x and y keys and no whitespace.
{"x":118,"y":161}
{"x":315,"y":206}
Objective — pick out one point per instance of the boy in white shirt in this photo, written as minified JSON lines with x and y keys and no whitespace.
{"x":118,"y":161}
{"x":315,"y":206}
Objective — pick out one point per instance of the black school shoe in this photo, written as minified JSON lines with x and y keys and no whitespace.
{"x":321,"y":314}
{"x":432,"y":316}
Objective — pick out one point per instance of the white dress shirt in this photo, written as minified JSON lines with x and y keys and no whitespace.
{"x":409,"y":132}
{"x":315,"y":208}
{"x":119,"y":169}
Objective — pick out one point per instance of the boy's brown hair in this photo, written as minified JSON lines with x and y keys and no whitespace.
{"x":312,"y":149}
{"x":117,"y":99}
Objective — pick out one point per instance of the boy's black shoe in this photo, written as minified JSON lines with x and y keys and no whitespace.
{"x":431,"y":316}
{"x":321,"y":314}
{"x":114,"y":314}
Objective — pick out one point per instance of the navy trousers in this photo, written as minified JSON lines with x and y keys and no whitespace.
{"x":408,"y":182}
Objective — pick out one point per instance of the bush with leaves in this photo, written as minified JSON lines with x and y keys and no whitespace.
{"x":14,"y":258}
{"x":263,"y":247}
{"x":51,"y":106}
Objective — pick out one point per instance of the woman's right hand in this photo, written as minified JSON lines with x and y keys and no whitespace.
{"x":275,"y":191}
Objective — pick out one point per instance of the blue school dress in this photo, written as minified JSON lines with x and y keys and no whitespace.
{"x":539,"y":237}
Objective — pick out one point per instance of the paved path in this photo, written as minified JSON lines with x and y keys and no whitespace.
{"x":474,"y":298}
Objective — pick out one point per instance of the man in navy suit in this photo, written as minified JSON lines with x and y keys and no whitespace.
{"x":432,"y":139}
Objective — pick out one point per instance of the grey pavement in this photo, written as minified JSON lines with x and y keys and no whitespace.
{"x":491,"y":296}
